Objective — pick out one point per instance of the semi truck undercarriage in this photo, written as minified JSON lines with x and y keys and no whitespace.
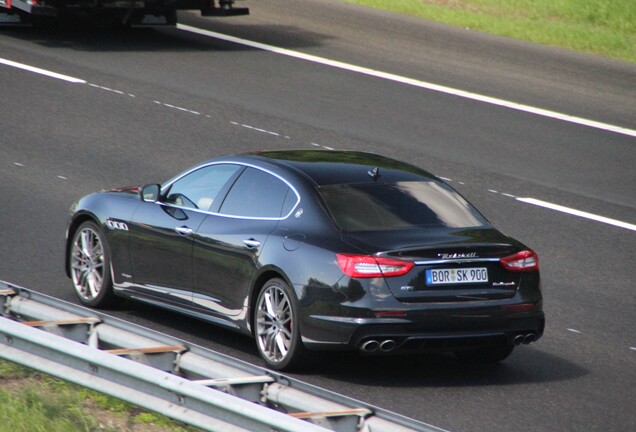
{"x":127,"y":12}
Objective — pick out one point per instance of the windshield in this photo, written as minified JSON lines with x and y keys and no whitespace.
{"x":398,"y":206}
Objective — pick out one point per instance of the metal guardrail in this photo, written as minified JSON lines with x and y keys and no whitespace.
{"x":197,"y":386}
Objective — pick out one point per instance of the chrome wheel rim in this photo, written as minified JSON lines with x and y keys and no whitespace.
{"x":274,"y":324}
{"x":87,"y":264}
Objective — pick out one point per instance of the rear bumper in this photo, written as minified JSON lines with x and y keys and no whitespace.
{"x":425,"y":332}
{"x":392,"y":340}
{"x":351,"y":314}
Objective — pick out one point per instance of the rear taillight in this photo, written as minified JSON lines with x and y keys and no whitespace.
{"x":366,"y":266}
{"x":526,"y":260}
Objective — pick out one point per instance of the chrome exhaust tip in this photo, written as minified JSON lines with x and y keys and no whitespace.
{"x":370,"y":346}
{"x":530,"y":337}
{"x":388,"y":345}
{"x":519,"y":339}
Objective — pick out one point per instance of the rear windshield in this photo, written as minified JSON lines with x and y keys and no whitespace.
{"x":397,"y":206}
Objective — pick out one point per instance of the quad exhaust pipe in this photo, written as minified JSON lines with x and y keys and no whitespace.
{"x":524,"y":339}
{"x":387,"y":345}
{"x":370,"y":346}
{"x":373,"y":345}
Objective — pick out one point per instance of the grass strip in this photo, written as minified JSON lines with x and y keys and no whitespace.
{"x":35,"y":402}
{"x":600,"y":27}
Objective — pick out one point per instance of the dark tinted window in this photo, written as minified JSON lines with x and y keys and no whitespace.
{"x":401,"y":205}
{"x":200,"y":188}
{"x":256,"y":194}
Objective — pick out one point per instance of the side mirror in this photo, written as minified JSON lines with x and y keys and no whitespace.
{"x":150,"y":193}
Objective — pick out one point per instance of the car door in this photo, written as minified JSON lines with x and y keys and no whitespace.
{"x":162,"y":233}
{"x":228,"y":243}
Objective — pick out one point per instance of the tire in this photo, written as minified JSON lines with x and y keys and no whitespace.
{"x":492,"y":354}
{"x":277,"y":327}
{"x":89,"y":266}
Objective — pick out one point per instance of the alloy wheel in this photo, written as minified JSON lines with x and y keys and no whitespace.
{"x":274,"y":324}
{"x":87,"y":263}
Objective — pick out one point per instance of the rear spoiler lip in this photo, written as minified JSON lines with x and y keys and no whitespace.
{"x":456,"y":261}
{"x":444,"y":253}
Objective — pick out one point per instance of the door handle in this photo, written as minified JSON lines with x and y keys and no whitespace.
{"x":184,"y":230}
{"x":251,"y":243}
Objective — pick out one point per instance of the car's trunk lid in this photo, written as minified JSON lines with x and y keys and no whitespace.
{"x":450,"y":265}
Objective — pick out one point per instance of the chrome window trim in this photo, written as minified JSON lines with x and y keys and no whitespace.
{"x":174,"y":180}
{"x":457,"y":261}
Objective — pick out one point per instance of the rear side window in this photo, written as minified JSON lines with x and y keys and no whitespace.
{"x":257,"y":194}
{"x":397,"y":206}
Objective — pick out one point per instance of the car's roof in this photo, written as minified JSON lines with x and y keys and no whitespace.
{"x":326,"y":167}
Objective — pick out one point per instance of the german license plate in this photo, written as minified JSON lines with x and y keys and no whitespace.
{"x":456,"y":276}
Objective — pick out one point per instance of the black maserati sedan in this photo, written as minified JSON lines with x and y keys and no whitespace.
{"x":312,"y":250}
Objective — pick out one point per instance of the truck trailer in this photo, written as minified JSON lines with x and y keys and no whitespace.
{"x":136,"y":13}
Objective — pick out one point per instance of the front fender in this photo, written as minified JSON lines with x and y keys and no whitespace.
{"x":111,"y":211}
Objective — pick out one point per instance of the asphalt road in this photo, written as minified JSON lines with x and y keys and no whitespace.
{"x":156,"y":101}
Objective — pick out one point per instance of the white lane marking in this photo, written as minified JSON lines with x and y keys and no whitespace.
{"x":42,"y":71}
{"x":266,"y":131}
{"x":62,"y":177}
{"x":108,"y":89}
{"x":413,"y":82}
{"x":260,"y":130}
{"x":322,"y":146}
{"x":246,"y":126}
{"x":632,"y":348}
{"x":574,"y":331}
{"x":178,"y":108}
{"x":578,"y":213}
{"x":18,"y":164}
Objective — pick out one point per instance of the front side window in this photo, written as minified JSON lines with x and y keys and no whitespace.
{"x":400,"y":205}
{"x":200,"y":188}
{"x":257,"y":194}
